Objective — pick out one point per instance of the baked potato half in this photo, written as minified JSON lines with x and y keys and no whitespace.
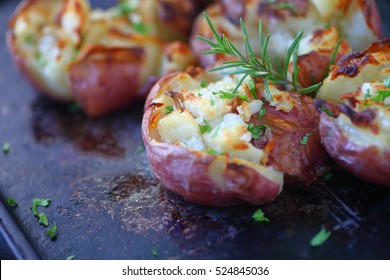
{"x":356,"y":133}
{"x":283,"y":20}
{"x":103,"y":59}
{"x":217,"y":147}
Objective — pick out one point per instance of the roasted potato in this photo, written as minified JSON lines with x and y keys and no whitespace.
{"x":356,"y":133}
{"x":211,"y":146}
{"x":103,"y":59}
{"x":283,"y":20}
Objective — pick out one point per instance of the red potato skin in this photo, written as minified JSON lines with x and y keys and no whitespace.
{"x":367,"y":163}
{"x":106,"y":79}
{"x":300,"y":162}
{"x":186,"y":172}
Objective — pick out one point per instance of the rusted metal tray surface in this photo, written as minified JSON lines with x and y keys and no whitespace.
{"x":107,"y":203}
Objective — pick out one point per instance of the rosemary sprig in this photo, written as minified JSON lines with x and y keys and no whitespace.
{"x":250,"y":65}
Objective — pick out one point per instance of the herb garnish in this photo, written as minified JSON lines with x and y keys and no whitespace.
{"x":42,"y":219}
{"x":11,"y":202}
{"x":249,"y":65}
{"x":327,"y":111}
{"x":52,"y":232}
{"x":257,"y":130}
{"x":205,"y":128}
{"x":252,"y":88}
{"x":71,"y":257}
{"x":154,"y":252}
{"x":214,"y":152}
{"x":169,"y":109}
{"x":141,"y":28}
{"x":305,"y":138}
{"x":39,"y":202}
{"x":327,"y":176}
{"x":125,"y":8}
{"x":262,"y":112}
{"x":6,"y":148}
{"x":203,"y":84}
{"x":259,"y":216}
{"x":320,"y":237}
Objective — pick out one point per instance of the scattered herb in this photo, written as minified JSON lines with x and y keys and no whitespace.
{"x":29,"y":39}
{"x":40,"y":59}
{"x":257,"y":130}
{"x":139,"y":149}
{"x":382,"y":95}
{"x":327,"y":176}
{"x":305,"y":138}
{"x":252,"y":87}
{"x":74,"y":108}
{"x":6,"y":148}
{"x":368,"y":94}
{"x":11,"y":202}
{"x":52,"y":232}
{"x":244,"y":98}
{"x":154,"y":252}
{"x":214,"y":152}
{"x":205,"y":128}
{"x":141,"y":28}
{"x":262,"y":112}
{"x":42,"y":219}
{"x":387,"y":82}
{"x":203,"y":84}
{"x":212,"y":101}
{"x":125,"y":8}
{"x":259,"y":216}
{"x":39,"y":202}
{"x":334,"y":53}
{"x":224,"y":94}
{"x":249,"y":65}
{"x":327,"y":111}
{"x":320,"y":237}
{"x":71,"y":257}
{"x":285,"y":6}
{"x":169,"y":109}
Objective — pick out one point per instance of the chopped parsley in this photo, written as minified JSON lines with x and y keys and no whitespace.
{"x":74,"y":108}
{"x":327,"y":111}
{"x":141,"y":28}
{"x":154,"y":252}
{"x":262,"y":112}
{"x":382,"y":95}
{"x":214,"y":152}
{"x":42,"y":219}
{"x":224,"y":94}
{"x":203,"y":84}
{"x":11,"y":202}
{"x":169,"y":109}
{"x":320,"y":237}
{"x":252,"y":88}
{"x":257,"y":130}
{"x":125,"y":8}
{"x":39,"y":202}
{"x":6,"y":148}
{"x":305,"y":138}
{"x":205,"y":128}
{"x":52,"y":232}
{"x":327,"y":176}
{"x":259,"y":216}
{"x":29,"y":39}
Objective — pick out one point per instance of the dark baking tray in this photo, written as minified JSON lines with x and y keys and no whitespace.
{"x":107,"y":203}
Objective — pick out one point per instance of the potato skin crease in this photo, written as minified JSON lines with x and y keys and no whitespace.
{"x":187,"y":173}
{"x":368,"y":163}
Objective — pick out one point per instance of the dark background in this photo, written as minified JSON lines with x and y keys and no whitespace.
{"x":107,"y":203}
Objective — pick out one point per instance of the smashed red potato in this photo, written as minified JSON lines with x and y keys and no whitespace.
{"x":103,"y":59}
{"x":284,"y":21}
{"x":356,"y":133}
{"x":218,"y":149}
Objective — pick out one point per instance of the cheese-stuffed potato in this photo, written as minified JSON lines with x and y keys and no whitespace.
{"x":216,"y":147}
{"x":357,"y":21}
{"x":356,"y":133}
{"x":103,"y":59}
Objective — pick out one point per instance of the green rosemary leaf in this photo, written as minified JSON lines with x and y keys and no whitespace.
{"x":290,"y":51}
